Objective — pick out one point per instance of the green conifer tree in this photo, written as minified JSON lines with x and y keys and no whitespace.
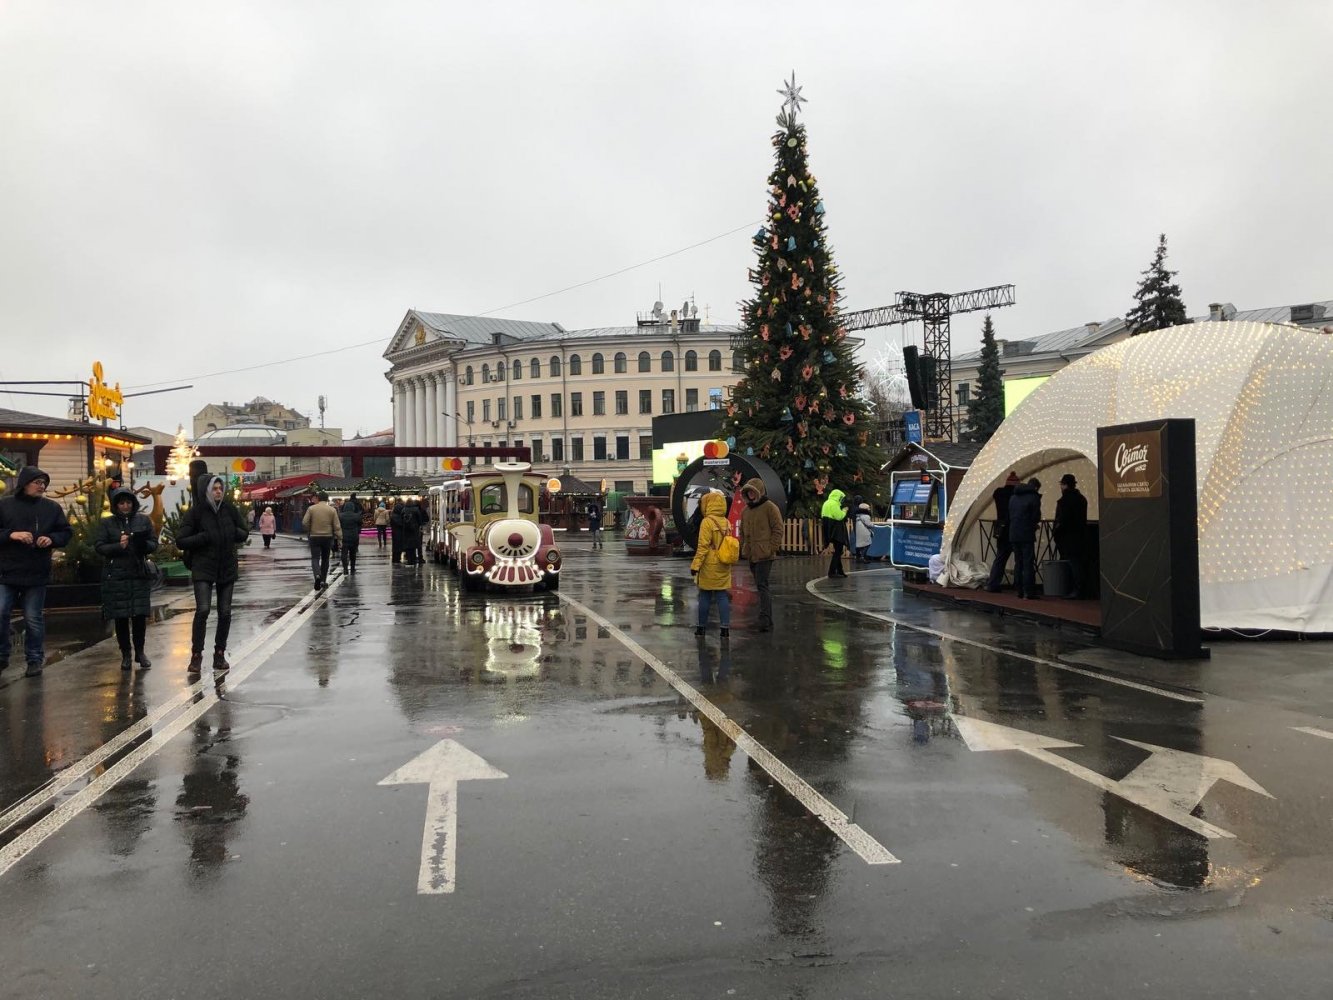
{"x":799,"y":405}
{"x":1157,"y":301}
{"x":986,"y":412}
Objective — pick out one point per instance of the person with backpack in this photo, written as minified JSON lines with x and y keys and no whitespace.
{"x":209,"y":534}
{"x":349,"y":516}
{"x":714,"y":554}
{"x":124,"y":540}
{"x":761,"y":541}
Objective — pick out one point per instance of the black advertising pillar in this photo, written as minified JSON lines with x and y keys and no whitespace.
{"x":1149,"y":531}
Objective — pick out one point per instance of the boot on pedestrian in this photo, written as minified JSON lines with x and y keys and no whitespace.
{"x":220,"y":664}
{"x":196,"y":662}
{"x":126,"y":663}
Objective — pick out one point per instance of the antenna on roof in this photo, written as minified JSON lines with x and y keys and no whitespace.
{"x":657,"y":310}
{"x":323,"y":405}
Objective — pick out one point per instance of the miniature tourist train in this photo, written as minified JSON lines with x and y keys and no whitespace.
{"x":486,"y":529}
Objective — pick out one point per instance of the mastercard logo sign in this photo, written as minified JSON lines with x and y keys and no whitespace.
{"x":716,"y":449}
{"x":451,"y":464}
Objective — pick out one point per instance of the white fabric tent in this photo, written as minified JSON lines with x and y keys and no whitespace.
{"x":1261,"y":396}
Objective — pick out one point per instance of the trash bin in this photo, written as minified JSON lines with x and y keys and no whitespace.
{"x":1057,"y":578}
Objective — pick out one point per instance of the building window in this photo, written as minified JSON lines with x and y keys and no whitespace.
{"x":471,"y":411}
{"x":964,"y":393}
{"x":645,"y":361}
{"x":555,"y":366}
{"x":599,"y":449}
{"x":599,"y":404}
{"x":485,"y":409}
{"x":518,"y":407}
{"x":691,"y":400}
{"x":691,"y":361}
{"x":645,"y":447}
{"x":518,"y":369}
{"x":668,"y":400}
{"x":517,"y":442}
{"x":557,"y":449}
{"x":467,"y":375}
{"x":534,"y":369}
{"x":737,"y":365}
{"x":485,"y":373}
{"x":575,"y":403}
{"x":536,"y":407}
{"x":645,"y":400}
{"x":668,"y":361}
{"x":622,"y":447}
{"x":714,"y":361}
{"x":598,"y":365}
{"x":624,"y":486}
{"x":500,"y":409}
{"x":557,"y":409}
{"x":576,"y":448}
{"x":715,"y":399}
{"x":622,"y":363}
{"x":575,"y":365}
{"x":622,"y":402}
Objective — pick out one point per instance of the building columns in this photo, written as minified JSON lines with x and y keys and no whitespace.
{"x":451,"y":410}
{"x":420,"y":436}
{"x":399,"y":421}
{"x":432,"y":418}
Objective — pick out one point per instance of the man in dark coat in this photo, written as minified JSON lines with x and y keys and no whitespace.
{"x":208,"y":536}
{"x":396,"y":531}
{"x":1024,"y":519}
{"x":31,"y":528}
{"x":413,"y":520}
{"x":124,"y":540}
{"x":1070,"y":529}
{"x":1003,"y":548}
{"x":349,"y":516}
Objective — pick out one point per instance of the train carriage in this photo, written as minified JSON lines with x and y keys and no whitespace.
{"x":495,"y":538}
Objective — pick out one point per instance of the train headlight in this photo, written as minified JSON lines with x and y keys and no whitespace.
{"x":477,"y":558}
{"x":553,"y":557}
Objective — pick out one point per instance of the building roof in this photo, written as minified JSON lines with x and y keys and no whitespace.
{"x":1080,"y":339}
{"x":939,"y":453}
{"x":36,"y":423}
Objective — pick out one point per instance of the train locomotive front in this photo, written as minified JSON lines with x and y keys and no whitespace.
{"x":505,"y":546}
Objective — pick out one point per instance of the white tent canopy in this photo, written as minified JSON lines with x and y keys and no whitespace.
{"x":1261,"y":396}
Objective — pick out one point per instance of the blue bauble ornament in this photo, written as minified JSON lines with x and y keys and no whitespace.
{"x":786,"y":413}
{"x":788,"y":329}
{"x":791,"y":243}
{"x":809,"y":463}
{"x":749,"y":452}
{"x":819,"y":208}
{"x":731,"y":442}
{"x":760,"y":235}
{"x":842,"y":450}
{"x":814,"y":245}
{"x":828,"y":357}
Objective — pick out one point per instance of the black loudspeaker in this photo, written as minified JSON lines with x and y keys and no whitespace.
{"x":930,"y":391}
{"x":912,"y":366}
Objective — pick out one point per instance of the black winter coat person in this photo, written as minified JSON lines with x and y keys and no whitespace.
{"x":412,"y":521}
{"x":27,"y":564}
{"x":350,"y":519}
{"x":209,"y":535}
{"x":126,"y":583}
{"x":1024,"y":513}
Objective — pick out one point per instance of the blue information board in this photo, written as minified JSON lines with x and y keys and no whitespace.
{"x":912,"y":491}
{"x":913,"y":545}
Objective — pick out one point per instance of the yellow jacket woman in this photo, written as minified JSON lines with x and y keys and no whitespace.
{"x":712,"y":575}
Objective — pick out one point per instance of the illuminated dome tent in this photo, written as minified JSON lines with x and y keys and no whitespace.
{"x":1261,"y":396}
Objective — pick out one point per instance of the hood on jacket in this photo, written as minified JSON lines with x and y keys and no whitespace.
{"x":713,"y":505}
{"x":352,"y":504}
{"x":29,"y":474}
{"x":120,"y":493}
{"x":834,"y":506}
{"x":203,"y":489}
{"x":755,"y":486}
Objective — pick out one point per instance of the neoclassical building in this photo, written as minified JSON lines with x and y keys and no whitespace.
{"x":582,"y":400}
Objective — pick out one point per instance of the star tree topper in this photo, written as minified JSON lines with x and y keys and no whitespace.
{"x":792,"y":102}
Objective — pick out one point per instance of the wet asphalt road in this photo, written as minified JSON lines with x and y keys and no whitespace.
{"x":633,"y":850}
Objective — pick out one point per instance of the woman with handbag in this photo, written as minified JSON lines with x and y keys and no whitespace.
{"x":125,"y":539}
{"x":711,"y":573}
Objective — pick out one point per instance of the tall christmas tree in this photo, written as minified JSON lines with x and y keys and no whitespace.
{"x":1157,"y":302}
{"x":799,"y":406}
{"x":986,"y":411}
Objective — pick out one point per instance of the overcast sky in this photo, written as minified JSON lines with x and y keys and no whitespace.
{"x":188,"y":188}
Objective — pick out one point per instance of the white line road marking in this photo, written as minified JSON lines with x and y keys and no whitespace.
{"x":270,"y":641}
{"x":85,"y":765}
{"x":866,"y":847}
{"x":1108,"y":678}
{"x":1314,"y":731}
{"x":441,"y":767}
{"x":1170,"y":783}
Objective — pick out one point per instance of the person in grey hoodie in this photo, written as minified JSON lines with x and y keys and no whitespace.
{"x":209,"y":534}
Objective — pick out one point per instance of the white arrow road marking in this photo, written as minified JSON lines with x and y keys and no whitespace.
{"x":867,"y":848}
{"x":1314,"y":731}
{"x":1165,"y":787}
{"x":441,"y":767}
{"x":1183,"y":779}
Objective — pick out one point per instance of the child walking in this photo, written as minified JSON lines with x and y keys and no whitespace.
{"x":712,"y":575}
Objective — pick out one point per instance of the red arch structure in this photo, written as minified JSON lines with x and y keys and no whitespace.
{"x":358,"y":454}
